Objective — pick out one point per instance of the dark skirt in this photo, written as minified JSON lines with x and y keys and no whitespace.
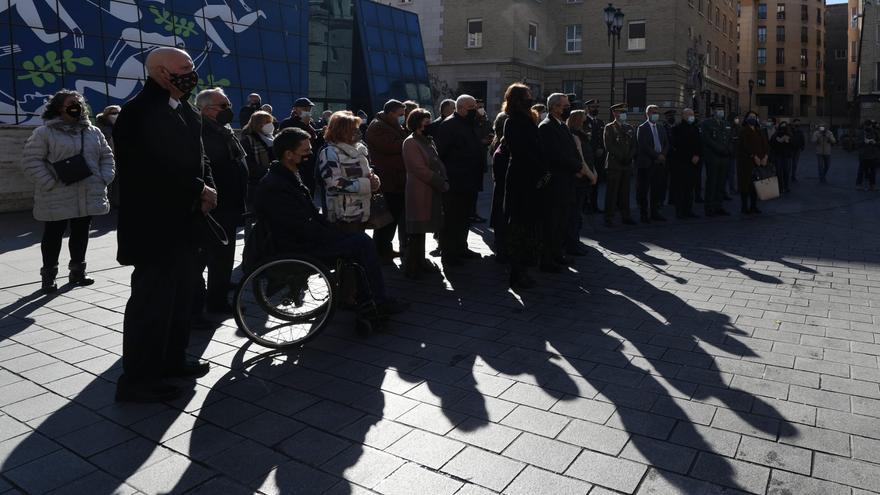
{"x":745,"y":168}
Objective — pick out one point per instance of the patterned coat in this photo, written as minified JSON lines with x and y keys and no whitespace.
{"x":344,"y":172}
{"x":55,"y":141}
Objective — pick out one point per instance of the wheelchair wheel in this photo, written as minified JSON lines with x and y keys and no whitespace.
{"x":285,"y":302}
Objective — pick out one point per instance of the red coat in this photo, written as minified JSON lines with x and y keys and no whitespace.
{"x":425,"y":184}
{"x":385,"y":142}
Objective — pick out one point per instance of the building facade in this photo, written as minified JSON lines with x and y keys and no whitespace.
{"x":281,"y":49}
{"x":837,"y":55}
{"x":782,"y":51}
{"x":674,"y":53}
{"x":864,"y":61}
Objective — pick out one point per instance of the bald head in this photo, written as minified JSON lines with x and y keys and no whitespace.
{"x":464,"y":104}
{"x":164,"y":61}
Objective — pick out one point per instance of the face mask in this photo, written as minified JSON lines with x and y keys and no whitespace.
{"x":566,"y":113}
{"x":305,"y":114}
{"x":224,"y":116}
{"x":75,"y":110}
{"x":543,"y":115}
{"x":481,"y":112}
{"x":594,"y":113}
{"x":770,"y":125}
{"x":112,"y":118}
{"x":655,"y":117}
{"x":401,"y":120}
{"x":184,"y":83}
{"x":691,"y":119}
{"x":472,"y":114}
{"x":752,"y":121}
{"x":268,"y":129}
{"x":736,"y":121}
{"x":821,"y":129}
{"x":719,"y":114}
{"x":622,"y":117}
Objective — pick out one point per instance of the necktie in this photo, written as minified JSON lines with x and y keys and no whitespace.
{"x":657,"y":146}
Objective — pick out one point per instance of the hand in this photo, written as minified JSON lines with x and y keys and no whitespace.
{"x":695,"y":159}
{"x":661,"y":158}
{"x":375,"y":183}
{"x":209,"y":199}
{"x":757,"y":160}
{"x":594,"y":178}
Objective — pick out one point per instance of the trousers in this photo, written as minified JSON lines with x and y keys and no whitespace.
{"x":219,"y":260}
{"x":53,"y":234}
{"x":454,"y":233}
{"x":617,"y":192}
{"x":650,"y":189}
{"x":715,"y":176}
{"x":383,"y":237}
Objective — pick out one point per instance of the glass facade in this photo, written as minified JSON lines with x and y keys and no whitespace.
{"x":281,"y":49}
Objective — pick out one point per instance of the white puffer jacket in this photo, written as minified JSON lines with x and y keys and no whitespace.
{"x":55,"y":141}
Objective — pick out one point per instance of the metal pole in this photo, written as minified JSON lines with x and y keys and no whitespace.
{"x":613,"y":67}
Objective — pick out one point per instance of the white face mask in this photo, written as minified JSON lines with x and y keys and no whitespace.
{"x":268,"y":129}
{"x":691,"y":119}
{"x":736,"y":121}
{"x":112,"y":118}
{"x":719,"y":114}
{"x":822,"y":129}
{"x":305,"y":114}
{"x":543,"y":115}
{"x":481,"y":111}
{"x":401,"y":120}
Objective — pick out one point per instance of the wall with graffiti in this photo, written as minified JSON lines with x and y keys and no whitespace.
{"x":98,"y":47}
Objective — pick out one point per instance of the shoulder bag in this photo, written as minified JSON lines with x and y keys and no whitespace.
{"x":73,"y":169}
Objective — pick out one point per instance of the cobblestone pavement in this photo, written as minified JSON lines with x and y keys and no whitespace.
{"x":708,"y":357}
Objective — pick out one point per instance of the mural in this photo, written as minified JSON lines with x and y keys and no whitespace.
{"x":98,"y":47}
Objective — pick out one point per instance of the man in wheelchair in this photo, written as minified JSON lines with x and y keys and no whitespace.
{"x":284,"y":207}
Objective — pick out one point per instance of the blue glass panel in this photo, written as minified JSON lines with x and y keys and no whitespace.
{"x":273,"y":16}
{"x":247,"y":44}
{"x":273,"y":45}
{"x":277,"y":75}
{"x":374,"y":38}
{"x":377,"y":62}
{"x":281,"y":103}
{"x":368,"y":12}
{"x":412,"y":24}
{"x":403,"y":43}
{"x":393,"y":64}
{"x":388,"y":42}
{"x":421,"y":69}
{"x":251,"y":73}
{"x":42,"y":19}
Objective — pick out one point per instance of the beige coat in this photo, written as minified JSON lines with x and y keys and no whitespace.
{"x":55,"y":141}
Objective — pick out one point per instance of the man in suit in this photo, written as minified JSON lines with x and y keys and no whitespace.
{"x":651,"y":165}
{"x":165,"y":190}
{"x":619,"y":141}
{"x":563,"y":161}
{"x":595,"y":127}
{"x":718,"y":147}
{"x":688,"y":153}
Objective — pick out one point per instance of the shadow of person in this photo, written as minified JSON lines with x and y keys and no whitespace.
{"x":718,"y":260}
{"x":21,"y":314}
{"x":639,"y":251}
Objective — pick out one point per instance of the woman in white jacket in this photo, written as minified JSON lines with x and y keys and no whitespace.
{"x":67,"y":132}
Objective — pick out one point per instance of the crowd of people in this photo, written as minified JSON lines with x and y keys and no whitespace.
{"x":187,"y":181}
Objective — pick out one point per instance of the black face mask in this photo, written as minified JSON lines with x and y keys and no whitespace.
{"x":185,"y":83}
{"x":472,"y":114}
{"x":75,"y":110}
{"x":224,"y":116}
{"x":594,"y":113}
{"x":566,"y":113}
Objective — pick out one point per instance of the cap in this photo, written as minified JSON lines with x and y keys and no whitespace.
{"x":591,"y":102}
{"x":303,"y":102}
{"x":618,"y":106}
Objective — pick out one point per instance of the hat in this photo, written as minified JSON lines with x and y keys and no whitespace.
{"x":303,"y":102}
{"x":717,"y":104}
{"x":618,"y":107}
{"x":591,"y":102}
{"x":670,"y":112}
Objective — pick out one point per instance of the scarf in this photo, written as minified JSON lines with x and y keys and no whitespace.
{"x":236,"y":152}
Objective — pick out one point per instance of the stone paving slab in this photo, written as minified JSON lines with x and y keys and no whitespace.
{"x":706,"y":357}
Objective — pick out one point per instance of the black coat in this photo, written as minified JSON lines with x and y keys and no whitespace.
{"x":162,"y":170}
{"x":284,"y":205}
{"x":688,"y":143}
{"x":526,"y":169}
{"x":562,"y":156}
{"x":230,"y":175}
{"x":461,"y":150}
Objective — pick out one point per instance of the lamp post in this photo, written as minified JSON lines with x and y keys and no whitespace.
{"x":751,"y":89}
{"x":614,"y":23}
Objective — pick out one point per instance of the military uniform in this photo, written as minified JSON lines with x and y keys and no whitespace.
{"x":717,"y":150}
{"x":620,"y":144}
{"x":595,"y":129}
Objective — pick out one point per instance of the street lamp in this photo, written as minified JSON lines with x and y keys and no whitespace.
{"x":751,"y":89}
{"x":614,"y":23}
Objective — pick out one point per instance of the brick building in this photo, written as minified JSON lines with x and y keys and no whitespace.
{"x":672,"y":53}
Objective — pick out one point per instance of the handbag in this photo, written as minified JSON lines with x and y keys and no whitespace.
{"x":380,"y":215}
{"x":73,"y":169}
{"x":766,"y":183}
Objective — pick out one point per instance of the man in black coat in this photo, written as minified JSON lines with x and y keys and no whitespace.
{"x":459,"y":146}
{"x":563,"y":161}
{"x":595,"y":127}
{"x":301,"y":118}
{"x":165,"y":189}
{"x":651,"y":165}
{"x":688,"y":151}
{"x":447,"y":108}
{"x":227,"y":158}
{"x":244,"y":115}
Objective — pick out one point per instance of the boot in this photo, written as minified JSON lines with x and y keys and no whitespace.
{"x":78,"y":274}
{"x":48,"y":274}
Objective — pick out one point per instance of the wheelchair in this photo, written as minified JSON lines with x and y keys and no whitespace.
{"x":285,"y":300}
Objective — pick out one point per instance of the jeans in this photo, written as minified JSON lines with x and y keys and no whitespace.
{"x":824,"y":165}
{"x":383,"y":237}
{"x":53,"y":234}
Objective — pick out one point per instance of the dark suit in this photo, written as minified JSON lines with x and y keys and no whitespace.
{"x":162,"y":172}
{"x":651,"y":171}
{"x":688,"y":143}
{"x":460,"y":149}
{"x":564,"y":161}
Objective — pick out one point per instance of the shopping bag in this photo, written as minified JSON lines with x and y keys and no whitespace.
{"x":767,"y":188}
{"x":380,"y":215}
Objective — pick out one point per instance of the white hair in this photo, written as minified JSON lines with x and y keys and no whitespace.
{"x":554,"y":99}
{"x":203,"y":99}
{"x":687,"y":110}
{"x":462,"y":100}
{"x":651,"y":107}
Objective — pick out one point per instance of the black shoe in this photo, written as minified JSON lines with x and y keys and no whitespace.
{"x":691,"y":216}
{"x":755,"y":211}
{"x":522,"y":282}
{"x":550,"y":268}
{"x":189,"y":369}
{"x":645,"y":219}
{"x":598,"y":210}
{"x":563,"y":261}
{"x":698,"y":199}
{"x":146,"y":393}
{"x":658,"y":217}
{"x":628,"y":221}
{"x":429,"y":267}
{"x":78,"y":275}
{"x":745,"y":211}
{"x":471,"y":255}
{"x":502,"y":259}
{"x":203,"y":324}
{"x":709,"y":214}
{"x":48,"y":274}
{"x":576,"y":252}
{"x":727,"y":198}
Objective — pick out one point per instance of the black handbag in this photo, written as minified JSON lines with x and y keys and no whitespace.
{"x":73,"y":169}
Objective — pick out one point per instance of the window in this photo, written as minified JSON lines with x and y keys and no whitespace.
{"x":762,"y":56}
{"x":803,"y":79}
{"x":725,"y":26}
{"x":780,"y":79}
{"x":533,"y":37}
{"x":780,"y":11}
{"x":803,"y":57}
{"x":805,"y":13}
{"x":636,"y":95}
{"x":780,"y":55}
{"x":573,"y":88}
{"x":780,"y":33}
{"x":718,"y":24}
{"x":818,"y":37}
{"x":636,"y":35}
{"x":818,"y":15}
{"x":762,"y":78}
{"x":762,"y":34}
{"x":840,"y":54}
{"x":573,"y":38}
{"x":475,"y":33}
{"x":852,"y":52}
{"x":715,"y":58}
{"x":762,"y":11}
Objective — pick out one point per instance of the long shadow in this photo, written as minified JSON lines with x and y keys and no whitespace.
{"x":20,"y":230}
